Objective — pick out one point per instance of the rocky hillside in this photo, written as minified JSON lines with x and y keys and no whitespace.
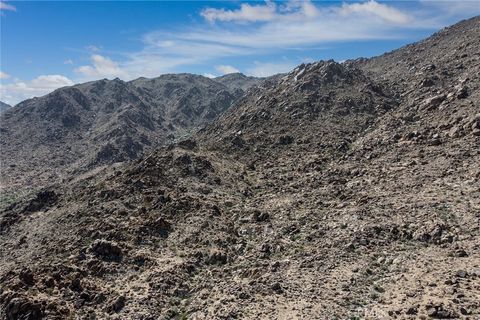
{"x":102,"y":122}
{"x":341,"y":191}
{"x":4,"y":106}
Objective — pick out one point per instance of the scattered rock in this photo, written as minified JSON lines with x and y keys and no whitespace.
{"x":461,"y":274}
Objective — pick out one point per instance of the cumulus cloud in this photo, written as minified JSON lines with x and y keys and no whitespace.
{"x":226,"y":69}
{"x":68,"y":61}
{"x":102,"y":67}
{"x":6,"y":6}
{"x":4,"y":75}
{"x":17,"y":91}
{"x":247,"y":12}
{"x":297,"y":24}
{"x":291,"y":25}
{"x":375,"y":9}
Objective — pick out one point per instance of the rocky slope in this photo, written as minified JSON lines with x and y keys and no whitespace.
{"x":340,"y":191}
{"x":102,"y":122}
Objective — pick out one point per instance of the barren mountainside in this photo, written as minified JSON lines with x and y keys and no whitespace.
{"x":78,"y":128}
{"x":336,"y":191}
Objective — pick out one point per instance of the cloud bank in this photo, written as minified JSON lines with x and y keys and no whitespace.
{"x":17,"y":91}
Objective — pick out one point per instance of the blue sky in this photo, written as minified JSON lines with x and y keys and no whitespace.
{"x":46,"y":45}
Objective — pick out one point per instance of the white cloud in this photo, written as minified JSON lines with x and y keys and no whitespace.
{"x":226,"y":69}
{"x":92,"y":48}
{"x":375,"y":9}
{"x":68,"y":61}
{"x":6,"y":6}
{"x":246,"y":12}
{"x":102,"y":67}
{"x":209,"y":75}
{"x":4,"y":75}
{"x":303,"y":24}
{"x":17,"y":91}
{"x":268,"y":68}
{"x":293,"y":25}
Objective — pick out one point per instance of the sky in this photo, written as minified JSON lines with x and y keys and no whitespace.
{"x":50,"y":44}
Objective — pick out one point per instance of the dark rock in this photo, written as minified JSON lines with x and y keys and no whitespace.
{"x":27,"y":277}
{"x":42,"y":200}
{"x":217,"y":257}
{"x":259,"y":216}
{"x":464,"y":311}
{"x":462,"y":92}
{"x":277,"y":288}
{"x":412,"y":311}
{"x":285,"y":139}
{"x":238,"y":142}
{"x":118,"y":304}
{"x":76,"y":285}
{"x":105,"y":249}
{"x":23,"y":309}
{"x":188,"y":144}
{"x":461,"y":253}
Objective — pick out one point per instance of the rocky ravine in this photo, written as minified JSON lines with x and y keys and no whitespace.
{"x":341,"y":191}
{"x":79,"y":128}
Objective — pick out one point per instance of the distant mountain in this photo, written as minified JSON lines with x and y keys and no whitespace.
{"x":238,"y":80}
{"x":4,"y":106}
{"x":106,"y":121}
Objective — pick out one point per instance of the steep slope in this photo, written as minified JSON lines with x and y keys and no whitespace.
{"x":334,"y":193}
{"x":4,"y":106}
{"x":81,"y":127}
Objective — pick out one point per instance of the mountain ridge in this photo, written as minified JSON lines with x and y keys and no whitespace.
{"x":105,"y":121}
